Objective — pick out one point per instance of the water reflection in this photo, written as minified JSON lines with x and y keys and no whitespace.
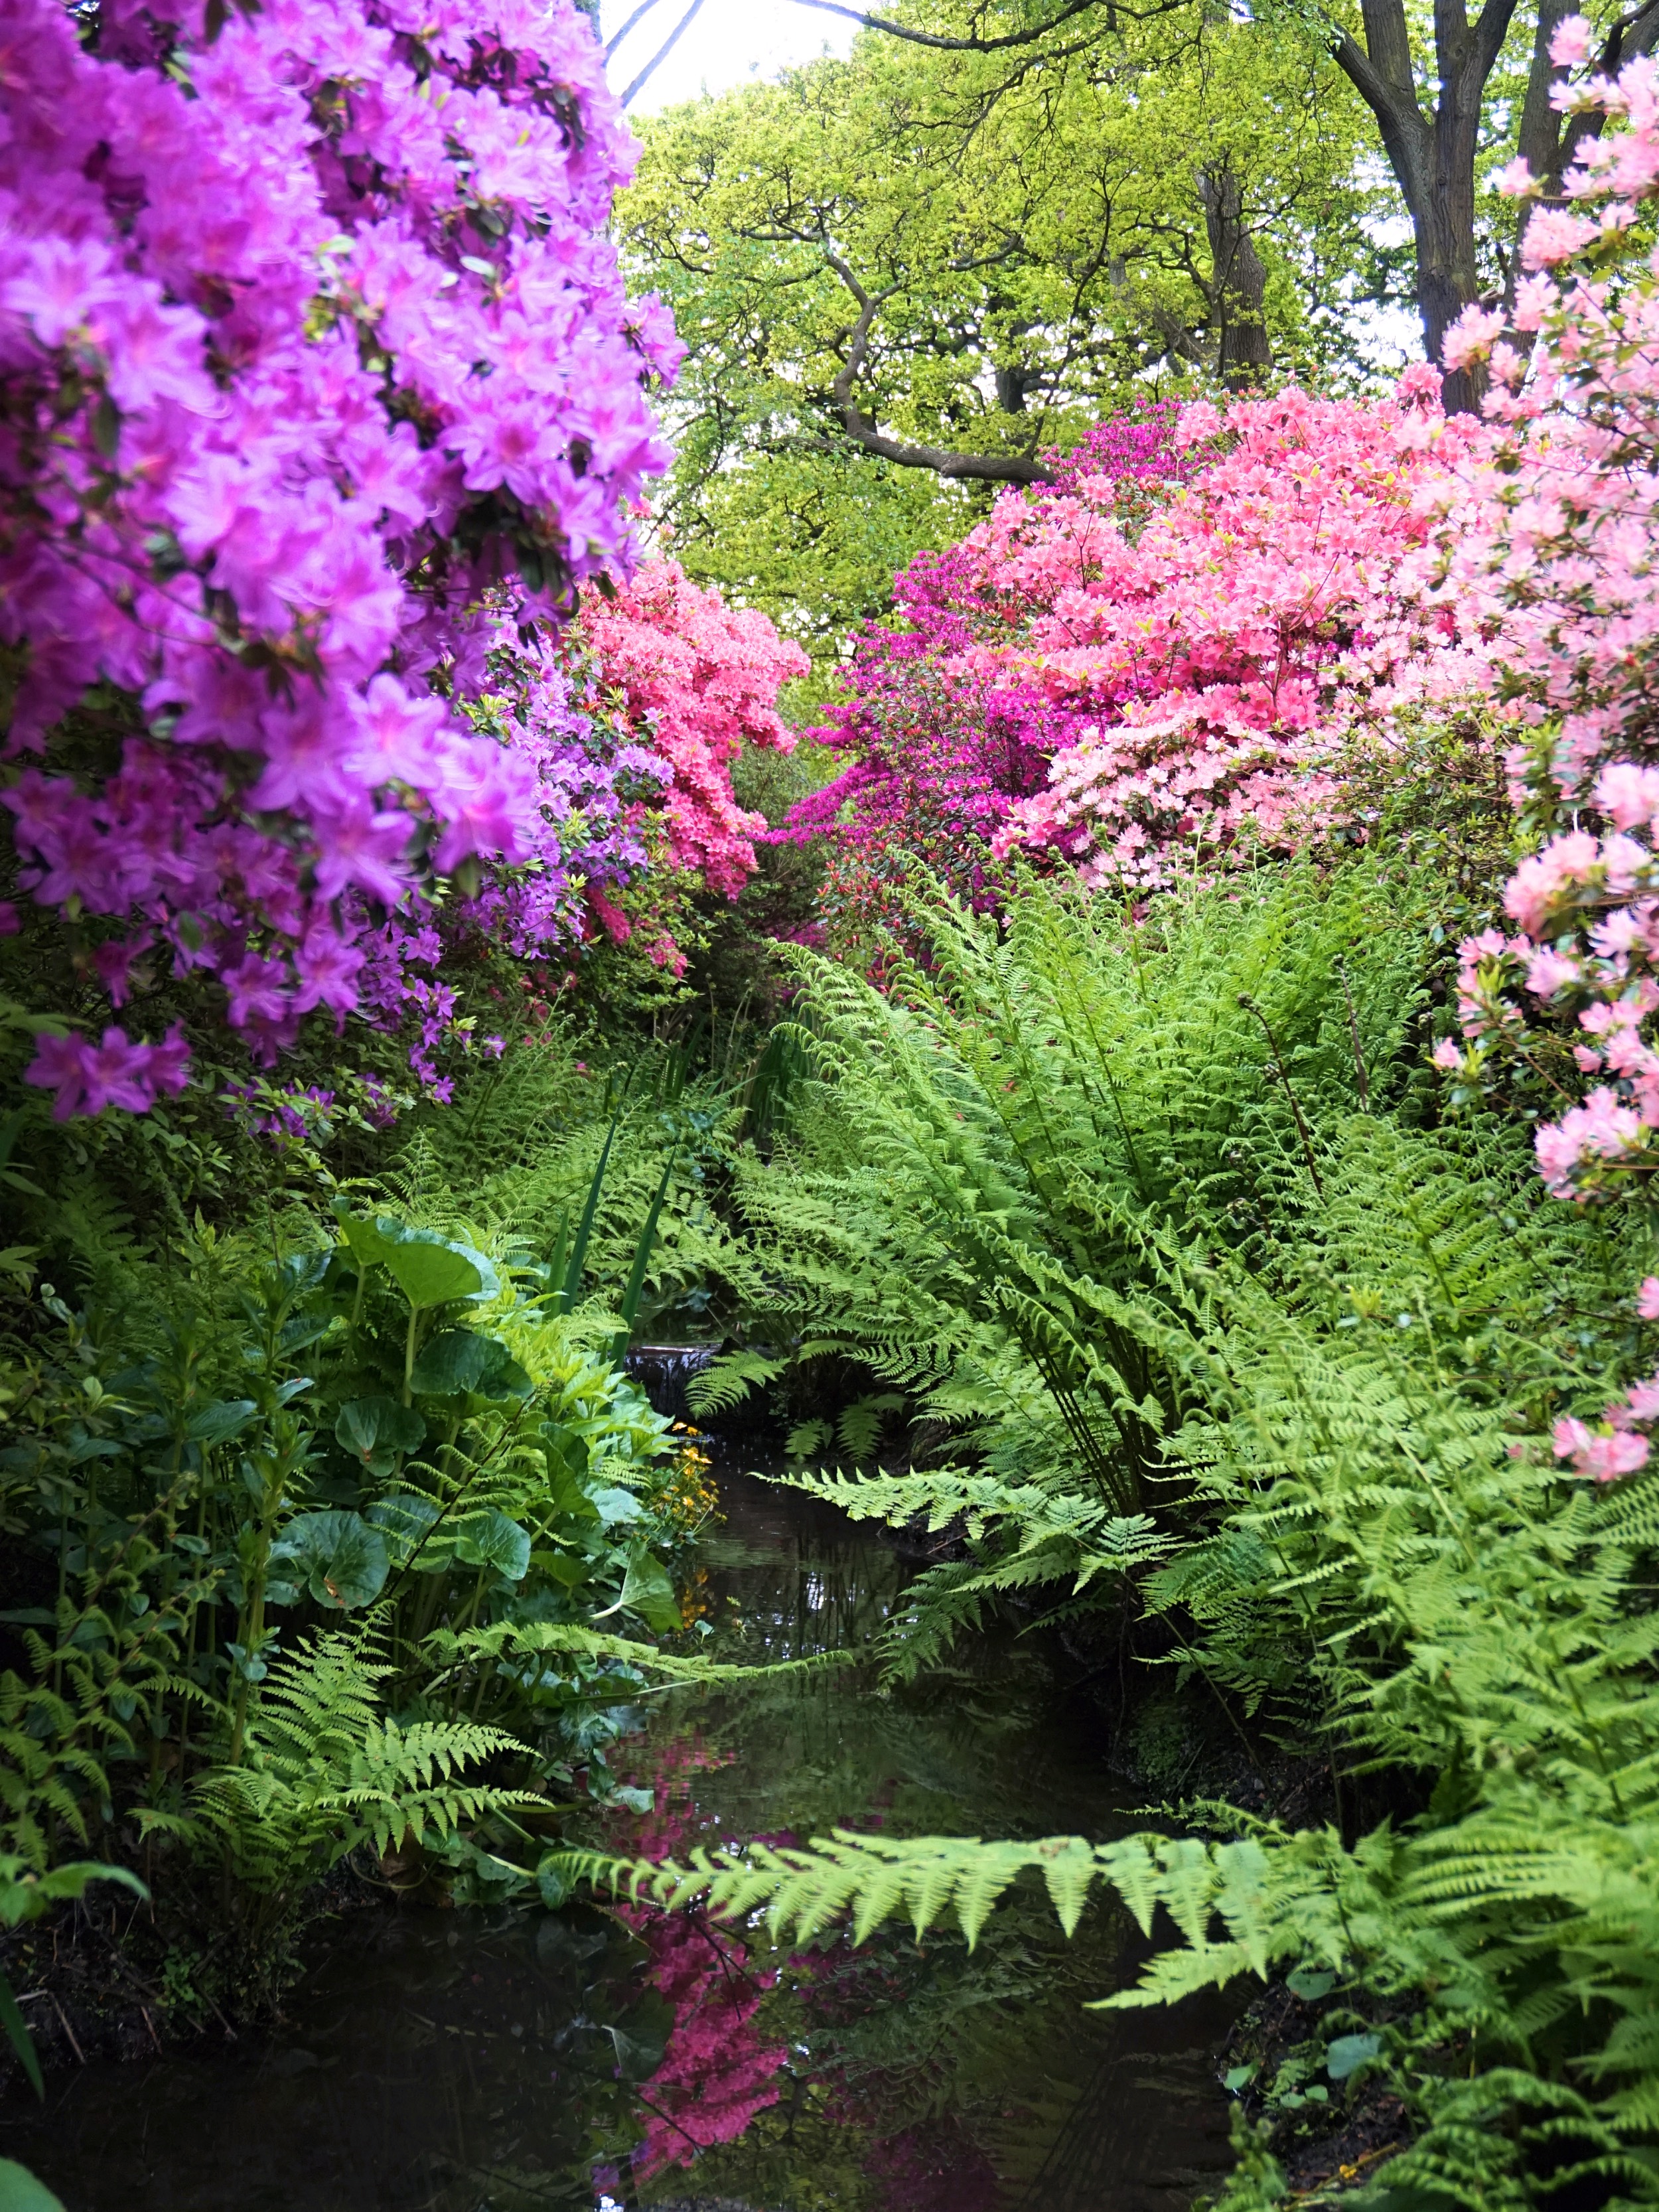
{"x":910,"y":2077}
{"x":471,"y":2063}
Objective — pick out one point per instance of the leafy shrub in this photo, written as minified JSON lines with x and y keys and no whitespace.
{"x":391,"y":1423}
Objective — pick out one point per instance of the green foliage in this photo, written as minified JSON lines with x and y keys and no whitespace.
{"x":567,"y":1168}
{"x":323,"y":1770}
{"x":987,"y":260}
{"x":991,"y":1191}
{"x":20,"y":2192}
{"x":1154,"y":1222}
{"x":397,"y":1413}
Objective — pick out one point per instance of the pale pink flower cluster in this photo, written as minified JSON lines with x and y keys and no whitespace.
{"x":312,"y":350}
{"x":1554,"y":554}
{"x":1276,"y":604}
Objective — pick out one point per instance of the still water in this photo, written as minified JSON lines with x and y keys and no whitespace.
{"x":495,"y":2061}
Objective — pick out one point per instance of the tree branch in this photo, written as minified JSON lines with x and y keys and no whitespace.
{"x":638,"y":16}
{"x":1355,"y":64}
{"x":904,"y":453}
{"x":1491,"y":30}
{"x":661,"y":54}
{"x":949,"y":46}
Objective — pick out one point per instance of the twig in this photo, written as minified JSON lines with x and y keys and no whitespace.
{"x":1360,"y":1076}
{"x":1284,"y":1075}
{"x":68,"y":2030}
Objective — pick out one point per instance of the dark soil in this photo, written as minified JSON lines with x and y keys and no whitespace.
{"x":112,"y":1975}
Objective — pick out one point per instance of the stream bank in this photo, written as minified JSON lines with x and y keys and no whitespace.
{"x":473,"y":2060}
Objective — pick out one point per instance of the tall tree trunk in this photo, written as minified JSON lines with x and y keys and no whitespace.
{"x":1238,"y":283}
{"x":1448,"y":278}
{"x":1011,"y":389}
{"x":1433,"y":157}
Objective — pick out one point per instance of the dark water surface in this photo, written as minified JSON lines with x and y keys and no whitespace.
{"x":494,"y":2061}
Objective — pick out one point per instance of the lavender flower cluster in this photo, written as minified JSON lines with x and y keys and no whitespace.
{"x":315,"y":368}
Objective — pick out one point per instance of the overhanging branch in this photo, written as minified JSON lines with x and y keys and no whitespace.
{"x":661,"y":54}
{"x":905,"y":452}
{"x":943,"y":44}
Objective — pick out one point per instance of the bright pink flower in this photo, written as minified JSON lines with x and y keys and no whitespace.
{"x":1605,"y":1457}
{"x":701,"y":679}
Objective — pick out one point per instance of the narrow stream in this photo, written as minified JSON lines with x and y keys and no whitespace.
{"x":494,"y":2062}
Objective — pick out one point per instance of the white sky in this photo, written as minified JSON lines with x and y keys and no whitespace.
{"x":730,"y":42}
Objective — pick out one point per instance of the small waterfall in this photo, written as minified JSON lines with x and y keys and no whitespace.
{"x":664,"y":1372}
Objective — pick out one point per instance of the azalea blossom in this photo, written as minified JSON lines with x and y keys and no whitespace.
{"x":239,"y":263}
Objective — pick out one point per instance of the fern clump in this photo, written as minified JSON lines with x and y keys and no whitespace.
{"x":325,"y":1770}
{"x":1157,"y":1225}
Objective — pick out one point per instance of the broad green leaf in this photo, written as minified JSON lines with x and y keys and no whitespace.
{"x":377,"y":1430}
{"x":615,"y":1506}
{"x":648,"y":1591}
{"x":430,"y":1270}
{"x":458,"y":1359}
{"x":566,"y":1568}
{"x":554,"y":1882}
{"x":1309,"y":1984}
{"x":343,"y":1556}
{"x":406,"y":1518}
{"x":1348,"y":2053}
{"x":491,"y":1540}
{"x":218,"y":1423}
{"x":451,"y":1361}
{"x":20,"y":2192}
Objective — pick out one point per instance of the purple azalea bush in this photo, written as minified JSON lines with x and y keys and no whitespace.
{"x":319,"y":395}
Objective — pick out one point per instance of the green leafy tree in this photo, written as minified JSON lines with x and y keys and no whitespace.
{"x":904,"y":277}
{"x":1446,"y":94}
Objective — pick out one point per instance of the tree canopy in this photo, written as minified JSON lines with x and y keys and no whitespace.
{"x":906,"y":276}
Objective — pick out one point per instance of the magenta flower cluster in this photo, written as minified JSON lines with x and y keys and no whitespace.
{"x":943,"y":730}
{"x":1137,"y":452}
{"x":940,"y":744}
{"x":315,"y":365}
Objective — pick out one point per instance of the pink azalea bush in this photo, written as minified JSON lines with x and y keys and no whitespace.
{"x":699,"y":679}
{"x":942,"y":731}
{"x":316,"y":372}
{"x":1553,"y":551}
{"x":1132,"y":682}
{"x":1273,"y":608}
